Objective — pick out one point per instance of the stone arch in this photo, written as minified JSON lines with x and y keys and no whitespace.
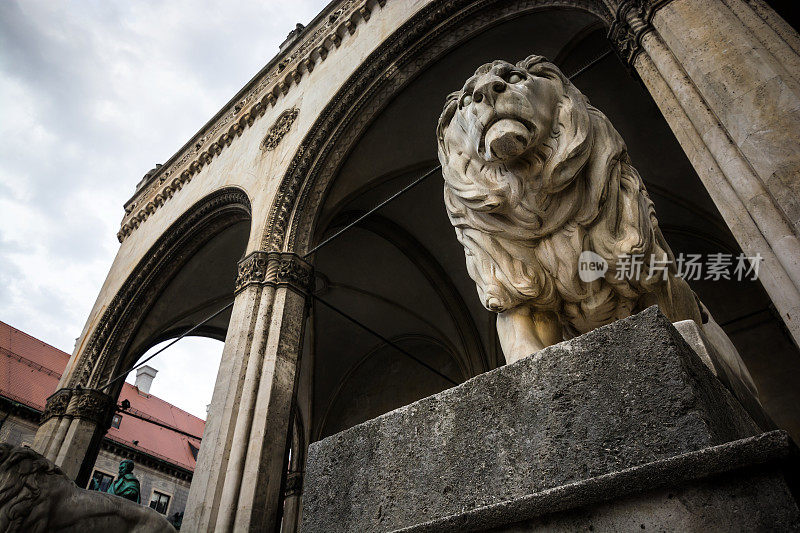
{"x":322,"y":428}
{"x":85,"y":396}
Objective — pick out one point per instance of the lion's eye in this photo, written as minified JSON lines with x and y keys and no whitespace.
{"x":514,"y":78}
{"x":467,"y":100}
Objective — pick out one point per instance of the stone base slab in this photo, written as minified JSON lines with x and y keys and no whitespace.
{"x":738,"y":486}
{"x":623,"y":397}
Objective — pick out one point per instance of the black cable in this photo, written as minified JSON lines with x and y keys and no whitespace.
{"x":155,"y":421}
{"x":590,"y":64}
{"x":380,"y":205}
{"x":381,"y":337}
{"x":185,"y":333}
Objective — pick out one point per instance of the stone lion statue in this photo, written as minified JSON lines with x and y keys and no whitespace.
{"x":36,"y":496}
{"x":536,"y":178}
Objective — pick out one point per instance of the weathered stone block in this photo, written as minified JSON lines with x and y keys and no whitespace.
{"x":619,"y":397}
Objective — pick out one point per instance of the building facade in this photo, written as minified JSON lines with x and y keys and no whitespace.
{"x":161,"y":439}
{"x":323,"y":330}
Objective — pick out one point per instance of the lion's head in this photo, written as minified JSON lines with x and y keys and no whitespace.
{"x":512,"y":137}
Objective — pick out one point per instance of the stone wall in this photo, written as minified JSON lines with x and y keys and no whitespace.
{"x":17,"y":431}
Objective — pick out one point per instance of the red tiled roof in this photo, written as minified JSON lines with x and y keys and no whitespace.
{"x":29,"y":373}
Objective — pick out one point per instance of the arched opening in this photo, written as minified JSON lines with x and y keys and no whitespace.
{"x":187,"y":276}
{"x":201,"y":283}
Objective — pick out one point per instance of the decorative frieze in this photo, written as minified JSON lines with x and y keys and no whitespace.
{"x":295,"y":273}
{"x":277,"y":269}
{"x":90,"y":404}
{"x":312,"y":46}
{"x":279,"y":129}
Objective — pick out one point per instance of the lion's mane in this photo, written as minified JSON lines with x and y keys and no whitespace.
{"x":524,"y":224}
{"x":23,"y":498}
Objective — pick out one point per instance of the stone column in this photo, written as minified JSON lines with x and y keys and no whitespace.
{"x":73,"y":424}
{"x":726,"y":80}
{"x":204,"y":495}
{"x":241,"y":467}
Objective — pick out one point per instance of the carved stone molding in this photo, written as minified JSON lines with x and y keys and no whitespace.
{"x":430,"y":33}
{"x":91,"y":405}
{"x":274,"y":268}
{"x":632,"y":21}
{"x":294,"y":272}
{"x":280,"y":128}
{"x":313,"y":45}
{"x":87,"y":404}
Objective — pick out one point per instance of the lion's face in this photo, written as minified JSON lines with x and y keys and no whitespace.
{"x":502,"y":112}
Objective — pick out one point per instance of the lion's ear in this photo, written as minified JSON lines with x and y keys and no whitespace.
{"x":540,"y":66}
{"x":531,"y":61}
{"x":450,"y":106}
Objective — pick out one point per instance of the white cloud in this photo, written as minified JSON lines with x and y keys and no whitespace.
{"x":187,"y":372}
{"x":94,"y":93}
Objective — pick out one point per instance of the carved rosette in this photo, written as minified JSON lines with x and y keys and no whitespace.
{"x":87,"y":404}
{"x":632,"y":22}
{"x":276,"y":269}
{"x":279,"y":129}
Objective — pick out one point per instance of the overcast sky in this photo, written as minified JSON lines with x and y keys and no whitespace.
{"x":92,"y":95}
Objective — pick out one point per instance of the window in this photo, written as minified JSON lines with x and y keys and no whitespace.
{"x":115,"y":421}
{"x":194,"y":449}
{"x":100,"y":481}
{"x":159,"y":502}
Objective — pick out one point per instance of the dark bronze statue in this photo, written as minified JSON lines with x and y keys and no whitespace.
{"x":126,"y":485}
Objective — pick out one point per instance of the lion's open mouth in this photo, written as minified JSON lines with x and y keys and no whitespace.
{"x":504,"y":138}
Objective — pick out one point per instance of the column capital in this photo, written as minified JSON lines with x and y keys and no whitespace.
{"x":56,"y":404}
{"x":632,"y":21}
{"x":87,"y":404}
{"x":279,"y":269}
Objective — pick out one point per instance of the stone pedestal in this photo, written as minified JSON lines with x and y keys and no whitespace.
{"x":622,"y":427}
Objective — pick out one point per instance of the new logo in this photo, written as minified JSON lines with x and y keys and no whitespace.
{"x":591,"y":266}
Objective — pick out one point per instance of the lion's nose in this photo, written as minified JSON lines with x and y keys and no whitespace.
{"x":488,"y":88}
